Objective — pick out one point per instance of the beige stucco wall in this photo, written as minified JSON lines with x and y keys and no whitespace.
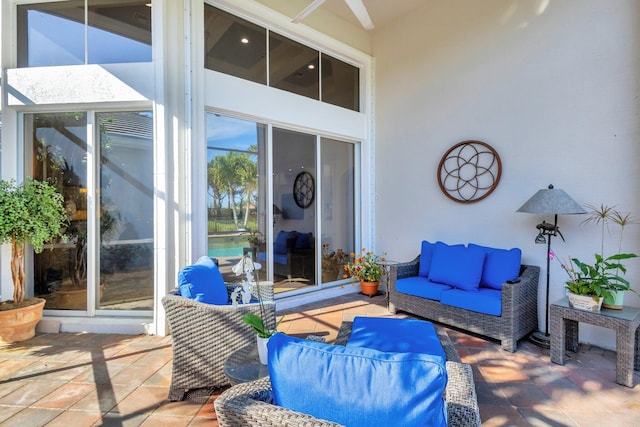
{"x":553,"y":86}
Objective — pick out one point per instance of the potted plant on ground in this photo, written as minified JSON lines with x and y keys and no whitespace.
{"x":603,"y":215}
{"x":365,"y":267}
{"x":32,"y":213}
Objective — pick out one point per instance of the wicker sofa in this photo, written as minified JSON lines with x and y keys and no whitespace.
{"x":204,"y":335}
{"x":249,"y":404}
{"x":519,"y":315}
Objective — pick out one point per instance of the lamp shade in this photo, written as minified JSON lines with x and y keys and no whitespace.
{"x":551,"y":201}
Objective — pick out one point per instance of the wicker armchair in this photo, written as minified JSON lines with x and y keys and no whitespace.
{"x":250,"y":404}
{"x":519,"y":306}
{"x":204,"y":335}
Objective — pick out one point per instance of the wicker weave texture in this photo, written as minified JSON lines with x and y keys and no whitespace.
{"x":519,"y":307}
{"x":565,"y":333}
{"x":250,"y":404}
{"x":203,"y":336}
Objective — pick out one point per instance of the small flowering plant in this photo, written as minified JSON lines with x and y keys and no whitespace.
{"x":599,"y":279}
{"x":365,"y":267}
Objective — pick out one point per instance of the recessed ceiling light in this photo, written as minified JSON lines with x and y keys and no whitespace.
{"x":244,"y":40}
{"x":311,"y":66}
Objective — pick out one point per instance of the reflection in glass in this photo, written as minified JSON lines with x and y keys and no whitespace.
{"x":338,"y":209}
{"x":234,"y":46}
{"x":235,"y":208}
{"x":294,"y":230}
{"x":59,"y":147}
{"x":126,"y":210}
{"x":293,"y":66}
{"x":340,"y":83}
{"x":54,"y":33}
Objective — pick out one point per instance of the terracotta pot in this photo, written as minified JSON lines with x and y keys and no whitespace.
{"x":369,"y":288}
{"x":20,"y":324}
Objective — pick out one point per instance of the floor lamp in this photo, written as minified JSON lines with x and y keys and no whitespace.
{"x":554,"y":202}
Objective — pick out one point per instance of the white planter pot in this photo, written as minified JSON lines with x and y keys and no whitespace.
{"x":584,"y":302}
{"x":262,"y":349}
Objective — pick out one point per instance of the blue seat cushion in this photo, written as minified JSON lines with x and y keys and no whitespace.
{"x":396,"y":335}
{"x":457,"y":266}
{"x":356,"y":386}
{"x":277,"y":258}
{"x":485,"y":300}
{"x":203,"y":282}
{"x":500,"y":265}
{"x":284,"y":241}
{"x":421,"y":287}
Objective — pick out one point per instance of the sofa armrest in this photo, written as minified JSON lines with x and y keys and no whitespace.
{"x":525,"y":287}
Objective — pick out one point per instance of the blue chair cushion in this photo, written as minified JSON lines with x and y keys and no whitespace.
{"x":396,"y":335}
{"x":500,"y":265}
{"x":355,"y":386}
{"x":485,"y":300}
{"x":203,"y":282}
{"x":421,"y":287}
{"x":457,"y":266}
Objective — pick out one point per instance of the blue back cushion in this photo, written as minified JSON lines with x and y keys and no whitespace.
{"x":457,"y":266}
{"x":357,"y":386}
{"x":203,"y":282}
{"x":500,"y":265}
{"x":426,"y":253}
{"x":396,"y":335}
{"x":280,"y":246}
{"x":304,"y":240}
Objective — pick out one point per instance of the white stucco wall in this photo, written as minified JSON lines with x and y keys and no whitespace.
{"x":553,"y":86}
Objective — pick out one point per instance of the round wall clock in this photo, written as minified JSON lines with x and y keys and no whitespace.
{"x":469,"y":171}
{"x":304,"y":189}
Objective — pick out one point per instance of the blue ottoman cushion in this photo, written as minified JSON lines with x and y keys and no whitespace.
{"x":355,"y":386}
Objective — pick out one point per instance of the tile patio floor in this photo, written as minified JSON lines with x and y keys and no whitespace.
{"x":122,"y":380}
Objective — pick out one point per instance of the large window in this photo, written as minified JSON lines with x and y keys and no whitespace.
{"x":61,"y":33}
{"x":107,"y":261}
{"x":238,"y":47}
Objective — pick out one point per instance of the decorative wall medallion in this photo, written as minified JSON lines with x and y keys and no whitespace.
{"x":469,"y":171}
{"x":304,"y":189}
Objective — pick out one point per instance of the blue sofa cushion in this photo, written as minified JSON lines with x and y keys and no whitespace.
{"x":282,"y":242}
{"x":485,"y":300}
{"x":396,"y":335}
{"x":500,"y":265}
{"x":426,"y":253}
{"x":303,"y":240}
{"x":421,"y":287}
{"x":357,"y":386}
{"x":457,"y":266}
{"x":203,"y":282}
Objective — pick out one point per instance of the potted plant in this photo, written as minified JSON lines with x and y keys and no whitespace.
{"x":365,"y":267}
{"x":590,"y":284}
{"x":32,"y":213}
{"x":332,"y":263}
{"x":604,"y":215}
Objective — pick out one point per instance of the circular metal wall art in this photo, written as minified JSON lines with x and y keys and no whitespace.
{"x":304,"y":188}
{"x":469,"y":171}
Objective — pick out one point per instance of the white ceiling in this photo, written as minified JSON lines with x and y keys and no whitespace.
{"x":381,"y":11}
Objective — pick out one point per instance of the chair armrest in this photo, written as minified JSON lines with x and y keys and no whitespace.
{"x":250,"y":404}
{"x":460,"y":395}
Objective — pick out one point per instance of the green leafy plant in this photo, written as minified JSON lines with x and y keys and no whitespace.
{"x":32,"y":212}
{"x":365,"y":266}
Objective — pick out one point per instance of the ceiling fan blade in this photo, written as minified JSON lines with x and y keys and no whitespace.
{"x":307,"y":11}
{"x":358,"y":9}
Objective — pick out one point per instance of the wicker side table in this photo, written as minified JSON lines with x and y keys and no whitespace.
{"x":626,"y":322}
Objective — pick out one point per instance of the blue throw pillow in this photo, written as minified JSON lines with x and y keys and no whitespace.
{"x":500,"y":265}
{"x":396,"y":335}
{"x":457,"y":266}
{"x":280,"y":246}
{"x":303,"y":240}
{"x":357,"y":386}
{"x":425,"y":258}
{"x":203,"y":282}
